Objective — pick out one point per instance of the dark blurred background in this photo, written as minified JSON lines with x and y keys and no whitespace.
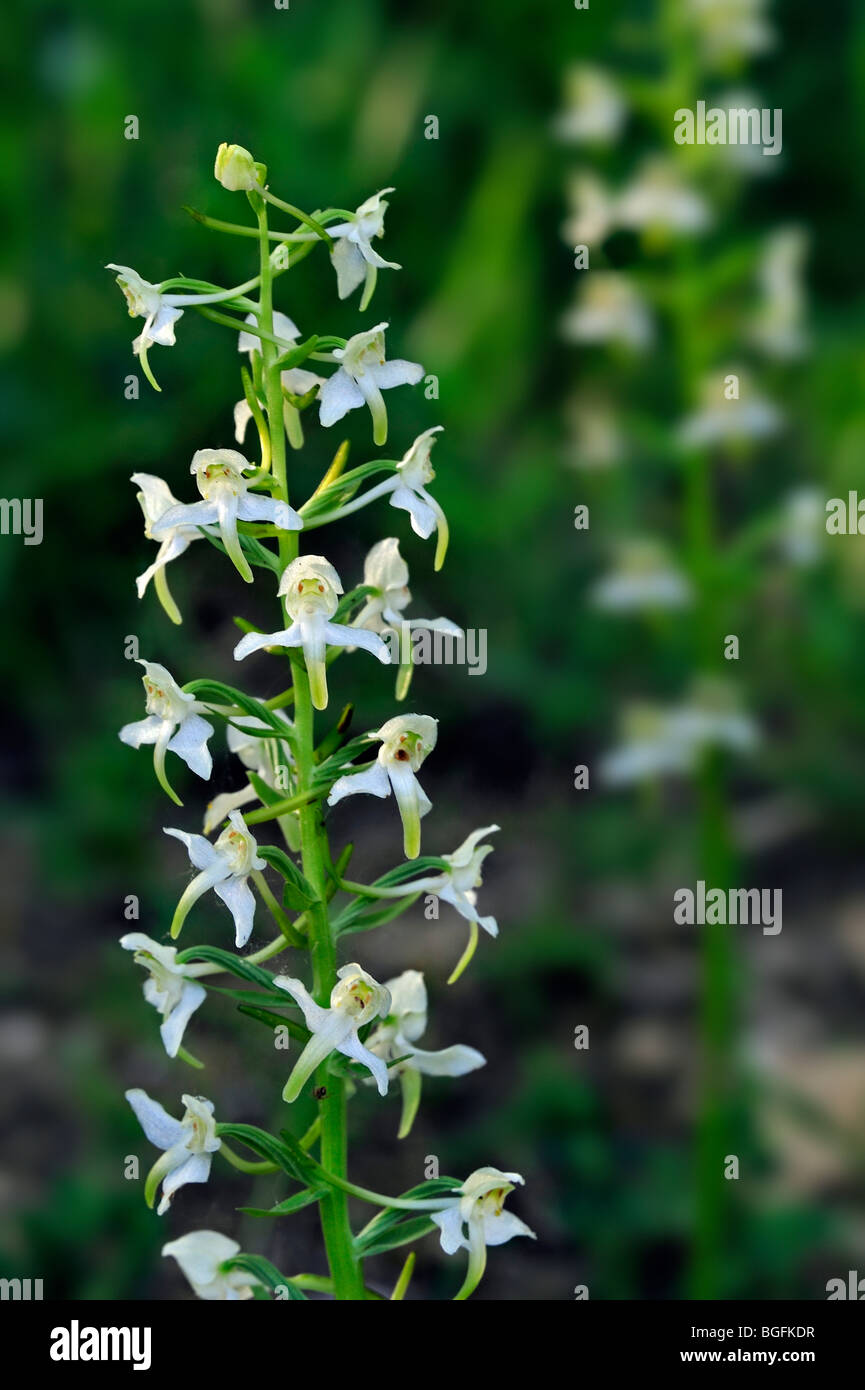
{"x":333,"y":97}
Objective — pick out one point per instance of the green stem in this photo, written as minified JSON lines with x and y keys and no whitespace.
{"x":333,"y":1208}
{"x":344,"y":1268}
{"x":717,"y":1008}
{"x":246,"y":1165}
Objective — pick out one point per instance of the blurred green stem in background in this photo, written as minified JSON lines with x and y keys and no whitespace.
{"x":717,"y":1003}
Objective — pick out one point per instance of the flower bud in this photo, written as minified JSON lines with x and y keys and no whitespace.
{"x":236,"y":169}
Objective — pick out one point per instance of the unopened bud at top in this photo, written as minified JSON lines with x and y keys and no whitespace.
{"x":237,"y":171}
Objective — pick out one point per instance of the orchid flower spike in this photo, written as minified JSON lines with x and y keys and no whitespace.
{"x":202,"y":1255}
{"x":187,"y":1144}
{"x":172,"y":989}
{"x":311,"y":587}
{"x":355,"y":999}
{"x":353,"y":257}
{"x":476,"y":1218}
{"x":394,"y":1041}
{"x":173,"y":724}
{"x":227,"y":500}
{"x":405,"y":742}
{"x":156,"y":498}
{"x":225,"y":867}
{"x":297,"y":381}
{"x":362,"y":376}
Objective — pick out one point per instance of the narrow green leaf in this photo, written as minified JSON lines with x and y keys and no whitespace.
{"x":299,"y":892}
{"x":290,"y":1205}
{"x":267,"y":1274}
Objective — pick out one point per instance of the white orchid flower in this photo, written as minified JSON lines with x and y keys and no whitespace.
{"x":394,"y":1041}
{"x":202,"y":1255}
{"x":235,"y":168}
{"x":187,"y":1143}
{"x":476,"y":1218}
{"x":801,"y":527}
{"x":667,"y":740}
{"x":355,"y":999}
{"x":658,"y":200}
{"x":596,"y":438}
{"x":644,"y":578}
{"x":160,"y":310}
{"x":731,"y":29}
{"x":609,"y":310}
{"x":457,"y":885}
{"x":731,"y":421}
{"x":173,"y":724}
{"x":172,"y":989}
{"x":362,"y":376}
{"x":227,"y":500}
{"x":225,"y":867}
{"x":594,"y":109}
{"x":462,"y":877}
{"x":296,"y":380}
{"x":405,"y":742}
{"x":593,"y":210}
{"x":155,"y":499}
{"x":778,"y":329}
{"x":311,"y":587}
{"x":353,"y":257}
{"x":268,"y":758}
{"x":387,"y":572}
{"x":409,"y":493}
